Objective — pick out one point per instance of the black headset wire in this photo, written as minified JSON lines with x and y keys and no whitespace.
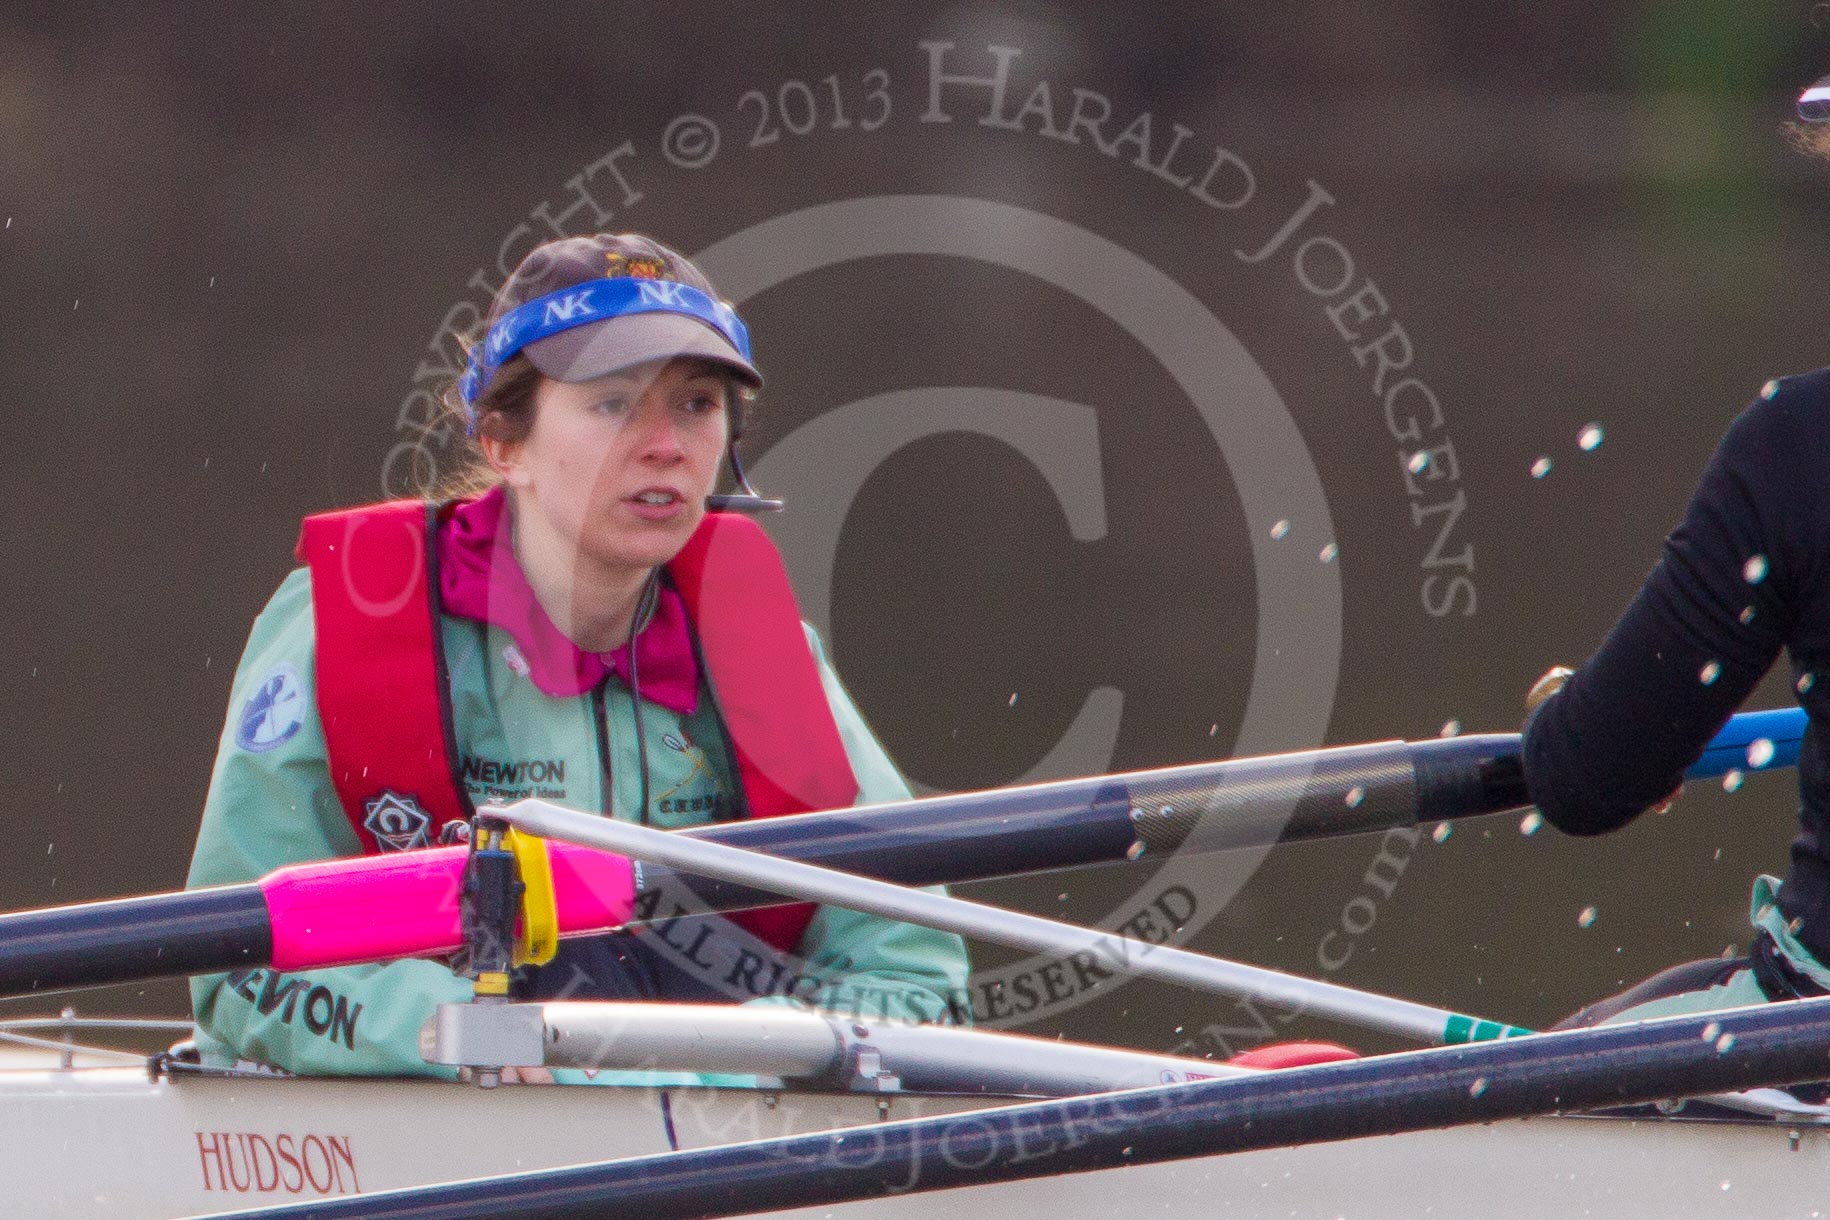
{"x":644,"y":609}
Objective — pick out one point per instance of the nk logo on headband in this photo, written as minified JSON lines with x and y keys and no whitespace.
{"x":665,"y":294}
{"x":568,"y":306}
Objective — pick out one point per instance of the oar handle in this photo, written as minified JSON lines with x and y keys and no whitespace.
{"x":1738,"y":746}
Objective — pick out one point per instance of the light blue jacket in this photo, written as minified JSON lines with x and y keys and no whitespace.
{"x":272,"y":803}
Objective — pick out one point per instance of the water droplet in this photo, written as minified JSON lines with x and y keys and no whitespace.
{"x":1450,"y":728}
{"x":1709,"y":673}
{"x":1747,"y":615}
{"x":1355,"y":795}
{"x":1754,"y":570}
{"x":1531,"y":823}
{"x":1061,"y":897}
{"x":1327,"y":554}
{"x":1587,"y":918}
{"x":1711,"y":1030}
{"x":1280,"y":529}
{"x":75,"y":304}
{"x":1013,"y":699}
{"x":1794,"y":925}
{"x":1724,"y":1185}
{"x":1724,"y":1044}
{"x":1212,"y":729}
{"x":212,"y":281}
{"x":1135,"y":851}
{"x":1718,"y":856}
{"x":1540,"y":468}
{"x":1732,"y":783}
{"x":1805,"y":682}
{"x":1759,"y":752}
{"x":9,"y":222}
{"x":1441,"y":833}
{"x":1420,"y":462}
{"x":1478,"y":1087}
{"x":1769,"y":390}
{"x":1590,"y":437}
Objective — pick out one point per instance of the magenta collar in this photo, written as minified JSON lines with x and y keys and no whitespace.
{"x":480,"y":579}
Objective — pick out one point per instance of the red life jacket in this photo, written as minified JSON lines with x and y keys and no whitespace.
{"x":385,"y":701}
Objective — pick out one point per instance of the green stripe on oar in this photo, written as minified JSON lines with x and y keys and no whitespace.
{"x":1458,"y":1029}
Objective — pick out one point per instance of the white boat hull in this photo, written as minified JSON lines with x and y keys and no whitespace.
{"x":121,"y":1143}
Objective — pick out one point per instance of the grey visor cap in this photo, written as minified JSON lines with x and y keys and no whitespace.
{"x":614,"y":344}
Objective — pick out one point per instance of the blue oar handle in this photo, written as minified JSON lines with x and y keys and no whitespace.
{"x":1730,"y":749}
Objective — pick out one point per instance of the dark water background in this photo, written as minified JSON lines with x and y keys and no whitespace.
{"x":234,"y":232}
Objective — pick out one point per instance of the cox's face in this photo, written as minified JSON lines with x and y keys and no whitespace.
{"x":620,"y":466}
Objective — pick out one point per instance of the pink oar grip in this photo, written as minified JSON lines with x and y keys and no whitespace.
{"x":374,"y":908}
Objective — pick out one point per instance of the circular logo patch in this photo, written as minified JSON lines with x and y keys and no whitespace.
{"x":273,"y":713}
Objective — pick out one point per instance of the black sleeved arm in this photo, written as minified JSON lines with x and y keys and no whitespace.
{"x":1736,"y":578}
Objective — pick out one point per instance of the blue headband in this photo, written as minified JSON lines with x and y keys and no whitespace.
{"x":593,"y":301}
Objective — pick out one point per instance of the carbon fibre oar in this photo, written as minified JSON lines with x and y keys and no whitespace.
{"x":1586,"y":1069}
{"x":330,"y":913}
{"x":1240,"y":803}
{"x":1097,"y":947}
{"x":1094,"y":946}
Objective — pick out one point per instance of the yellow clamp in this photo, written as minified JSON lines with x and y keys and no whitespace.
{"x":538,"y":939}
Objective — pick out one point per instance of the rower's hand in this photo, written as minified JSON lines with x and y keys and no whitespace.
{"x":1555,"y":679}
{"x":527,"y":1075}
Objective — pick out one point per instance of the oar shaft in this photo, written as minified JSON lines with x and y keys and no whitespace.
{"x":127,"y":939}
{"x":1239,"y":803}
{"x":1101,"y":950}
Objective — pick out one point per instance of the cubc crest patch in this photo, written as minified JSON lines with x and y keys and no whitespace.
{"x":397,"y":822}
{"x":273,"y":713}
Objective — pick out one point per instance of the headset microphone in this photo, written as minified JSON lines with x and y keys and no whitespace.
{"x":746,"y":500}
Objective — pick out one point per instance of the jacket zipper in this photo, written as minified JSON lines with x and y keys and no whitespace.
{"x":600,"y":721}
